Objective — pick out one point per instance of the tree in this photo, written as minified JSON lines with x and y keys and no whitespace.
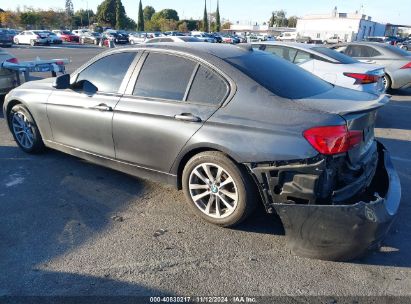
{"x":29,"y":19}
{"x":205,"y":18}
{"x":106,"y":12}
{"x":69,"y":8}
{"x":191,"y":24}
{"x":168,"y":14}
{"x":227,"y":25}
{"x":81,"y":17}
{"x":9,"y":19}
{"x":292,"y":21}
{"x":121,"y":18}
{"x":140,"y":21}
{"x":278,"y":18}
{"x":148,"y":12}
{"x":183,"y":27}
{"x":217,"y":18}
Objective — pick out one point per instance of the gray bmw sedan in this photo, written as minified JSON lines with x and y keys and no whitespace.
{"x":232,"y":127}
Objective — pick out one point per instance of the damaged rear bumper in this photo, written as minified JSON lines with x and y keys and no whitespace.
{"x":344,"y":231}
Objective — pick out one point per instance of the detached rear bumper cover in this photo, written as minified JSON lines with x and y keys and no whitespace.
{"x":344,"y":231}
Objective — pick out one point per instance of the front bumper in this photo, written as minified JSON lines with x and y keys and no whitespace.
{"x":344,"y":231}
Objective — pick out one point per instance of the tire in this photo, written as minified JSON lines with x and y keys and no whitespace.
{"x":20,"y":120}
{"x":387,"y":82}
{"x":242,"y":191}
{"x":32,"y":43}
{"x":16,"y":41}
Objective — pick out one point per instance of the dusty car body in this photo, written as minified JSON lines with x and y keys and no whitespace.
{"x":306,"y":147}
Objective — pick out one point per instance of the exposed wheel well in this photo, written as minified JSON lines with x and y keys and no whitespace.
{"x":186,"y":158}
{"x":10,"y":106}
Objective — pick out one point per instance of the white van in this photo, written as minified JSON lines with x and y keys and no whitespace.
{"x":288,"y":36}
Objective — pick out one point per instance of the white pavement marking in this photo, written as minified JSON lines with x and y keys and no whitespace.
{"x":15,"y":179}
{"x":398,"y":134}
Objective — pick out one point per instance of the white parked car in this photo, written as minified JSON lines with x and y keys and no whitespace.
{"x":80,"y":32}
{"x":334,"y":67}
{"x":137,"y":38}
{"x":333,"y":40}
{"x":31,"y":37}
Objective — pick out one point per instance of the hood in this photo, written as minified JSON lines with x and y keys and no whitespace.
{"x":343,"y":101}
{"x":37,"y":84}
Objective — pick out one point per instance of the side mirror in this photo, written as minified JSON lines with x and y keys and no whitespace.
{"x":62,"y":82}
{"x":89,"y":88}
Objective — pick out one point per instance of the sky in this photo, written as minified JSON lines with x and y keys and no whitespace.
{"x":246,"y":11}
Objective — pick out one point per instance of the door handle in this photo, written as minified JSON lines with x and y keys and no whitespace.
{"x":102,"y":107}
{"x":187,"y":117}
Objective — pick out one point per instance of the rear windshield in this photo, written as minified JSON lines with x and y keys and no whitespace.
{"x":341,"y":58}
{"x":396,"y":50}
{"x":279,"y":76}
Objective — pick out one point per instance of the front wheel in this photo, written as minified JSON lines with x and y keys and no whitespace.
{"x":25,"y":130}
{"x":218,"y":190}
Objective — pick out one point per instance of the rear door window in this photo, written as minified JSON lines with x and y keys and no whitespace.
{"x":164,"y":76}
{"x":208,"y":87}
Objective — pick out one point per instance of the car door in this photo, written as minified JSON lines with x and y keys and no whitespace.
{"x":168,"y":100}
{"x":84,"y":121}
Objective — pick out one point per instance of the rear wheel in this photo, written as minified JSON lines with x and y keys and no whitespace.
{"x":218,"y":190}
{"x":16,"y":41}
{"x":386,"y":80}
{"x":25,"y":130}
{"x":32,"y":42}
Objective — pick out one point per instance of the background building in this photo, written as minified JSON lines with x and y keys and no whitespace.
{"x":347,"y":26}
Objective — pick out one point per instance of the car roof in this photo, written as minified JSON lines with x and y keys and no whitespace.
{"x":200,"y":48}
{"x":302,"y":46}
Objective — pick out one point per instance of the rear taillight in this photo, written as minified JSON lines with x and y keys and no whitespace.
{"x":363,"y":78}
{"x":407,"y":66}
{"x":332,"y":140}
{"x":12,"y":60}
{"x":37,"y":36}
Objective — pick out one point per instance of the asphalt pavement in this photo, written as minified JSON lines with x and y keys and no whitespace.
{"x":68,"y":227}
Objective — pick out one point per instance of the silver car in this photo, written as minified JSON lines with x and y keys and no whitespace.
{"x":7,"y":77}
{"x":397,"y":62}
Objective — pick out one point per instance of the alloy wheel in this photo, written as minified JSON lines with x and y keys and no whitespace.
{"x":213,"y":190}
{"x":23,"y":130}
{"x":385,"y":82}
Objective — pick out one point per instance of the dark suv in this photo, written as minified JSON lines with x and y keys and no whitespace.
{"x":230,"y":126}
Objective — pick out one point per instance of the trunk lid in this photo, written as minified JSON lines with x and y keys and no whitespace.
{"x":358,"y":109}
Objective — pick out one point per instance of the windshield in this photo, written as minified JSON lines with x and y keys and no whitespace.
{"x":340,"y":57}
{"x":279,"y":76}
